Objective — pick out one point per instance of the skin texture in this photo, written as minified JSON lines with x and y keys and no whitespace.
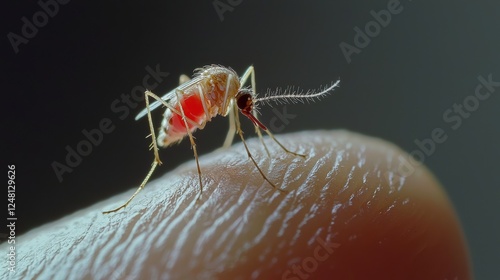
{"x":347,"y":214}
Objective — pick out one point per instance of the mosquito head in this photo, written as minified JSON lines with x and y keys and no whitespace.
{"x":245,"y":102}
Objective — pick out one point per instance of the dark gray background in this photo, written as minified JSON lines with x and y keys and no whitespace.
{"x":398,"y":87}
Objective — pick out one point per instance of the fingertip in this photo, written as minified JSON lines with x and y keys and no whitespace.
{"x":350,"y":212}
{"x":354,"y":212}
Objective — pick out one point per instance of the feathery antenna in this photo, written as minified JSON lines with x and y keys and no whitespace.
{"x":293,"y":96}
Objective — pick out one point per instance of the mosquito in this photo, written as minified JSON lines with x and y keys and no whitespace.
{"x":214,"y":90}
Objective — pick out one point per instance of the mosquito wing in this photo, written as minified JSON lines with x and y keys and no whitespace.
{"x":167,"y":97}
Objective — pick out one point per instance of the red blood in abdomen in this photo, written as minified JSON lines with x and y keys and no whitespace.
{"x":193,"y":109}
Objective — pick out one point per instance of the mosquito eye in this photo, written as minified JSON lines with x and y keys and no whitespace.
{"x":242,"y":101}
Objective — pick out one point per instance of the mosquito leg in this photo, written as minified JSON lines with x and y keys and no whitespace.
{"x":154,"y":144}
{"x":250,"y":72}
{"x":240,"y":133}
{"x":164,"y":103}
{"x":283,"y":147}
{"x":150,"y":120}
{"x":155,"y":163}
{"x":191,"y":139}
{"x":151,"y":128}
{"x":229,"y":103}
{"x":232,"y":129}
{"x":144,"y":182}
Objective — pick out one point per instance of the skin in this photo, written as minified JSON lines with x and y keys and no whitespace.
{"x":346,"y":215}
